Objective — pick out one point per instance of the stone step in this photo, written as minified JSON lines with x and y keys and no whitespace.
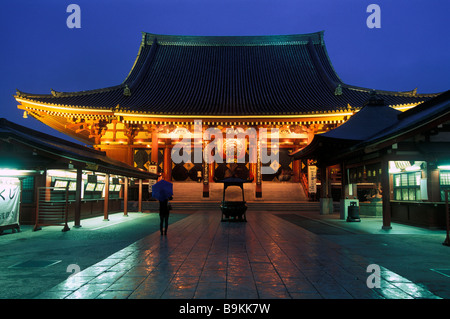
{"x":215,"y":205}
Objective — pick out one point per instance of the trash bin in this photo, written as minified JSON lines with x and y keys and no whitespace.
{"x":353,"y":212}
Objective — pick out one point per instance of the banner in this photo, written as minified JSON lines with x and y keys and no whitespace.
{"x":9,"y":201}
{"x":312,"y":179}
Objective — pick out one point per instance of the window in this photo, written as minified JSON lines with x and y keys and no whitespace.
{"x":407,"y":186}
{"x":444,"y":182}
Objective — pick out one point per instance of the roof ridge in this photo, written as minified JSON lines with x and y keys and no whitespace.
{"x":257,"y":40}
{"x":318,"y":64}
{"x":440,"y":97}
{"x":410,"y":93}
{"x":244,"y":78}
{"x":21,"y":129}
{"x":55,"y":93}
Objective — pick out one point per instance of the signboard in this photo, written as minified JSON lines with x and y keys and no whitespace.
{"x":9,"y":201}
{"x":312,"y":178}
{"x":258,"y":164}
{"x":205,"y":173}
{"x":151,"y":182}
{"x":153,"y":168}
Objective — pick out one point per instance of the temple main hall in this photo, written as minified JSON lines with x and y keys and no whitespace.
{"x":282,"y":82}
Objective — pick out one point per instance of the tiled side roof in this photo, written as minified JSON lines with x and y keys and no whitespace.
{"x":66,"y":149}
{"x":359,"y":133}
{"x":204,"y":75}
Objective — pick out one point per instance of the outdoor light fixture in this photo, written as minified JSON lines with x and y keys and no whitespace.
{"x":404,"y":166}
{"x":61,"y":173}
{"x":14,"y":172}
{"x":413,"y":168}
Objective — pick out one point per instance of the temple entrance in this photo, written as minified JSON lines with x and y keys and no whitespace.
{"x":185,"y":172}
{"x":225,"y":170}
{"x":282,"y":170}
{"x":272,"y":192}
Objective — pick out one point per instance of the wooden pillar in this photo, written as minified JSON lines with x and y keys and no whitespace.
{"x":344,"y":180}
{"x":326,"y":201}
{"x":205,"y":168}
{"x":434,"y":190}
{"x":79,"y":184}
{"x":130,"y":155}
{"x":167,"y":161}
{"x":386,"y":197}
{"x":140,"y":196}
{"x":154,"y":156}
{"x":106,"y":199}
{"x":296,"y":165}
{"x":329,"y":195}
{"x":323,"y":173}
{"x":212,"y":167}
{"x":258,"y":186}
{"x":48,"y":183}
{"x":345,"y":189}
{"x":310,"y":133}
{"x":253,"y":172}
{"x":296,"y":170}
{"x":325,"y":183}
{"x":125,"y":197}
{"x":253,"y":157}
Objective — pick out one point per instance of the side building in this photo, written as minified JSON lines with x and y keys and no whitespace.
{"x":46,"y":180}
{"x":398,"y":169}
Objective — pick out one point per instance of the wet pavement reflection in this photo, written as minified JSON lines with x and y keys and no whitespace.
{"x":202,"y":257}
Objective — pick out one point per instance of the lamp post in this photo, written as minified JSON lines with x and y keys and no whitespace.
{"x":447,"y":239}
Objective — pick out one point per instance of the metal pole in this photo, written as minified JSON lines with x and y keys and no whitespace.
{"x":36,"y":225}
{"x":66,"y":210}
{"x":447,"y":239}
{"x":77,"y":214}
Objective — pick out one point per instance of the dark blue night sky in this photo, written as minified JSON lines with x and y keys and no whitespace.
{"x":39,"y":52}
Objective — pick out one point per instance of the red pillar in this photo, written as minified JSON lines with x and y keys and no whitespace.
{"x":125,"y":197}
{"x":258,"y":186}
{"x":296,"y":166}
{"x":154,"y":157}
{"x":106,"y":199}
{"x":167,"y":161}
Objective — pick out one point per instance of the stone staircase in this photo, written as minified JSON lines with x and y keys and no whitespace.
{"x":153,"y":206}
{"x":277,"y":196}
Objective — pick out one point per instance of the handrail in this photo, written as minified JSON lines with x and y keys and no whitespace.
{"x":304,"y":183}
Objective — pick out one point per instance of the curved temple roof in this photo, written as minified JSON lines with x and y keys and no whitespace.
{"x":228,"y":75}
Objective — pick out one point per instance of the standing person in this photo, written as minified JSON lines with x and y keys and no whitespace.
{"x":164,"y":209}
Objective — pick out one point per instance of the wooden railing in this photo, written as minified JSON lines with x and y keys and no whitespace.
{"x":52,"y":208}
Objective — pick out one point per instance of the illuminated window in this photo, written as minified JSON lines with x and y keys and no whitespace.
{"x":444,"y":182}
{"x":407,"y":186}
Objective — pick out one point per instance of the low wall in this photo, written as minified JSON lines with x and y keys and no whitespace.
{"x":423,"y":214}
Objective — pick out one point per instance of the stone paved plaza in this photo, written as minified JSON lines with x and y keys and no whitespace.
{"x":267,"y":257}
